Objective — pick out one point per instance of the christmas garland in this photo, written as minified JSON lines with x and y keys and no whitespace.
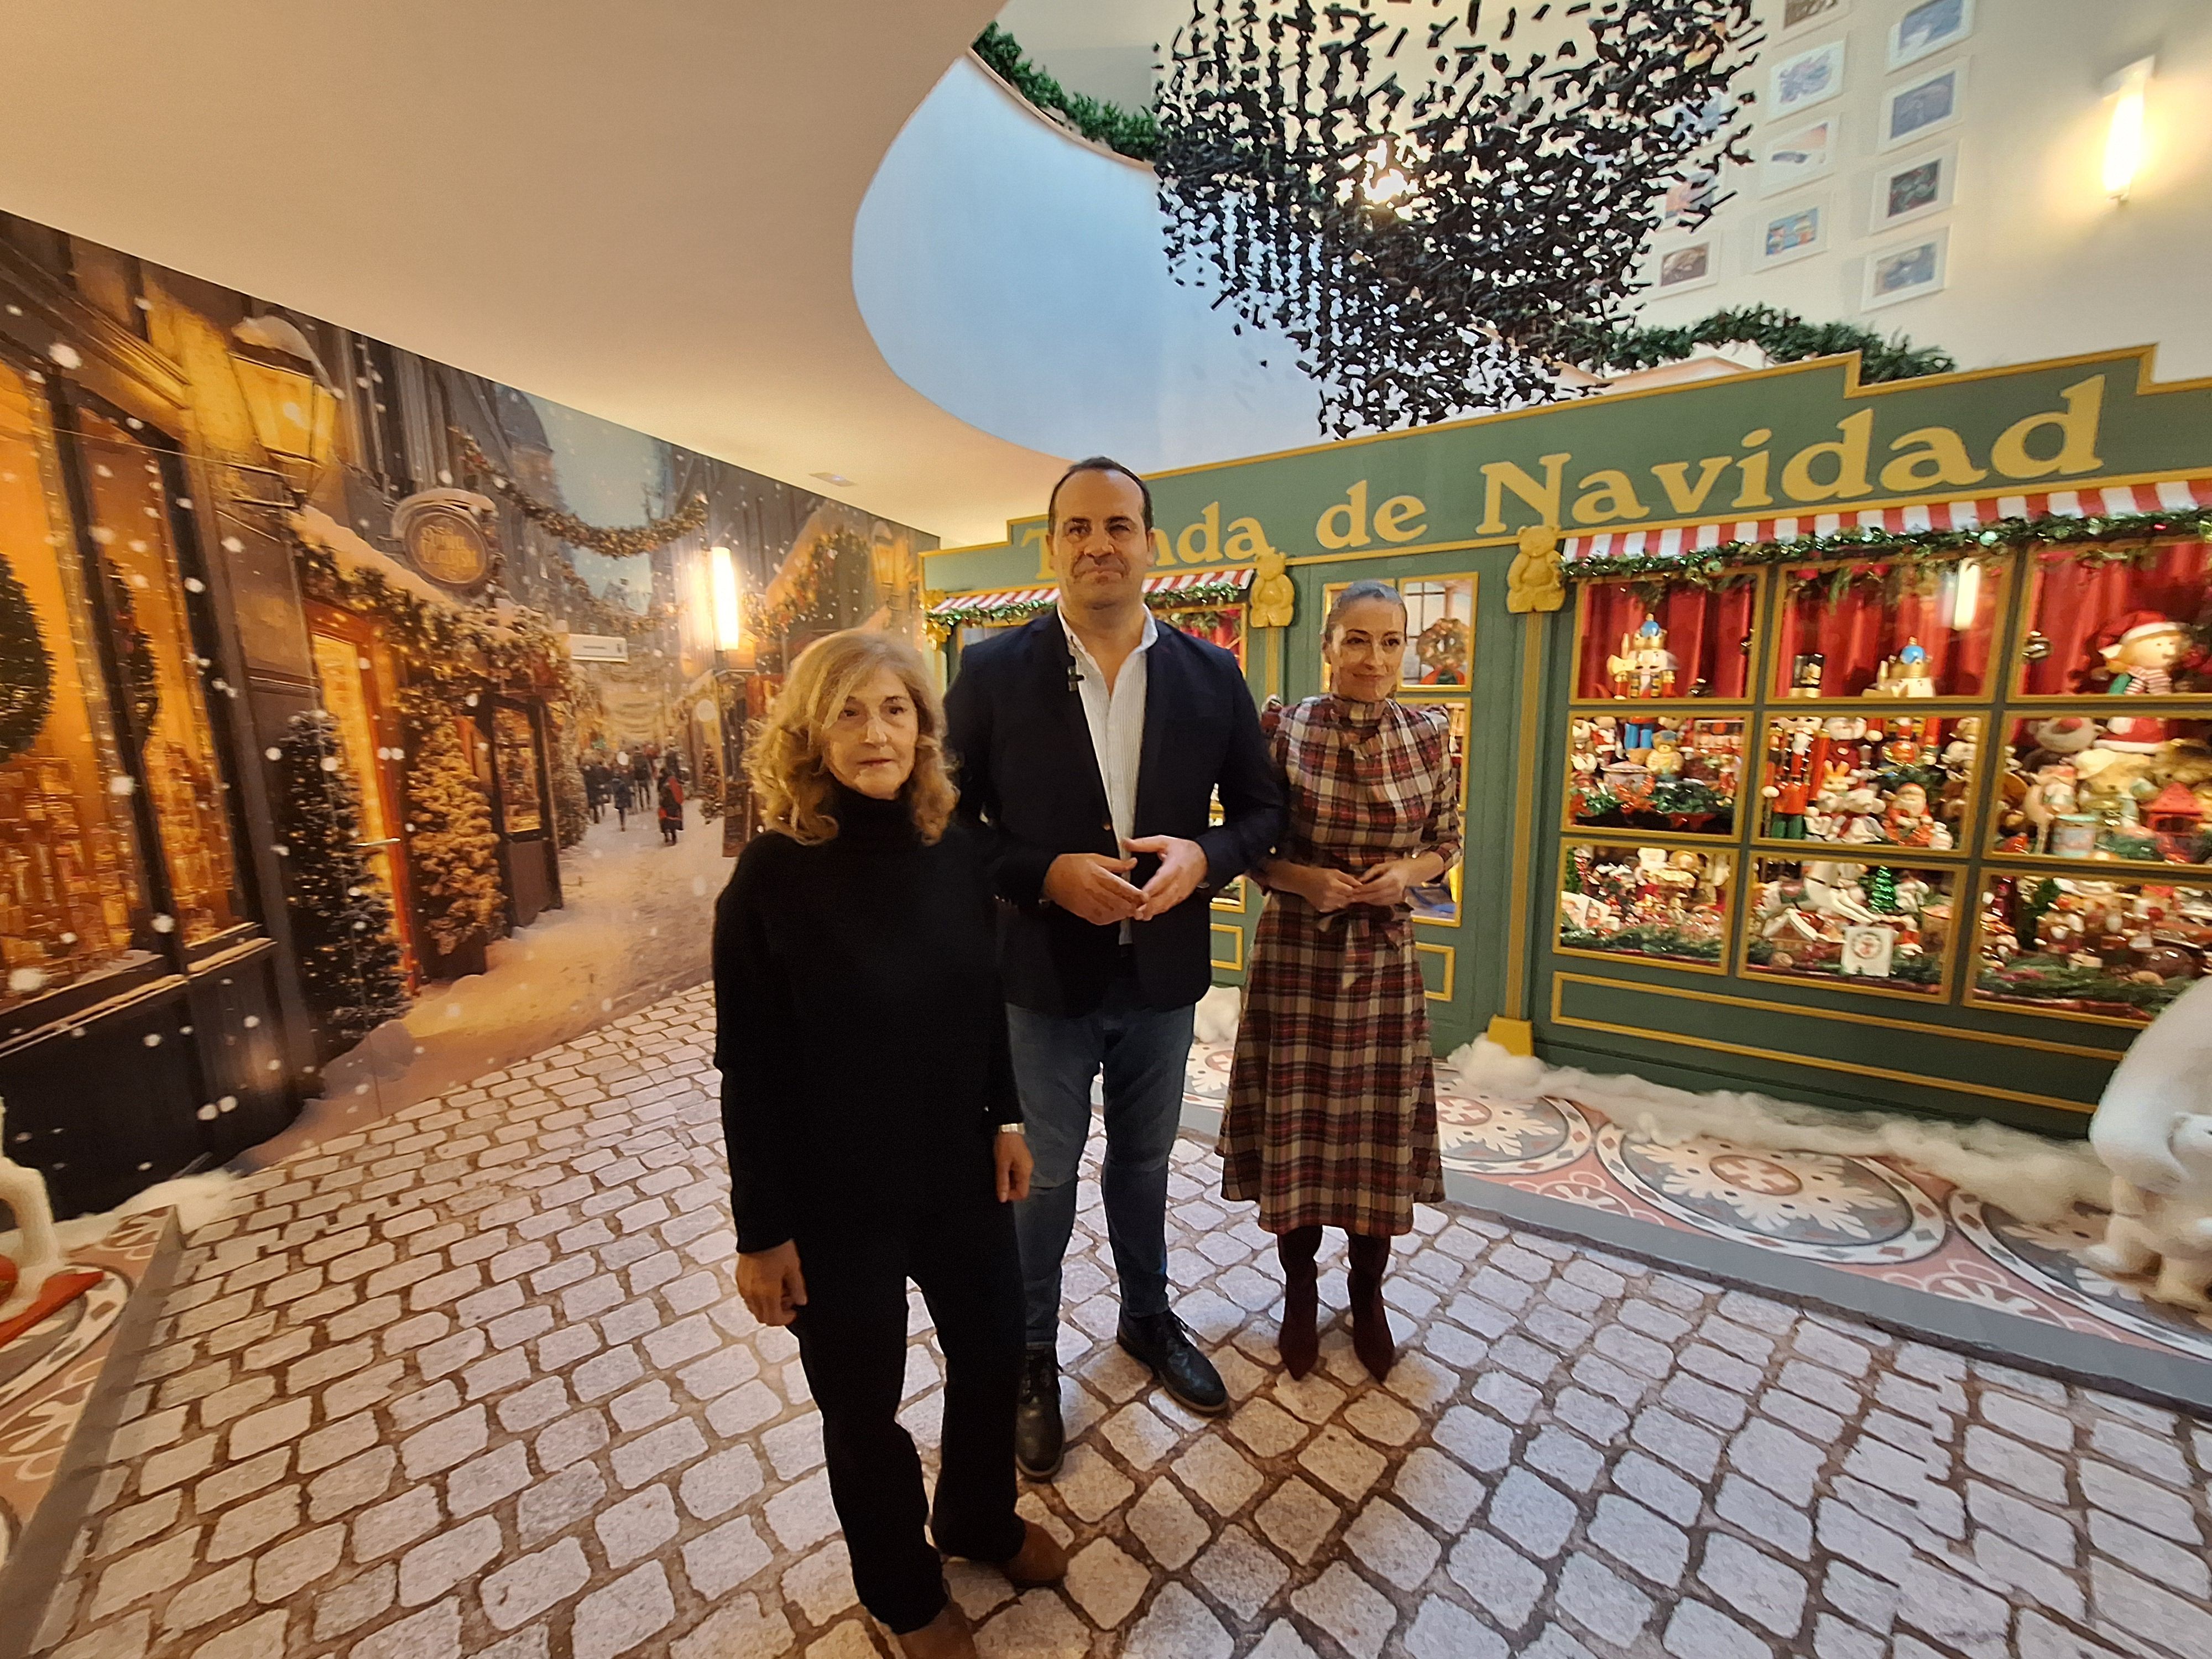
{"x":1203,"y":597}
{"x":2094,"y":540}
{"x":626,"y":542}
{"x":801,"y":598}
{"x":1133,"y":133}
{"x":1783,"y":335}
{"x":27,"y":670}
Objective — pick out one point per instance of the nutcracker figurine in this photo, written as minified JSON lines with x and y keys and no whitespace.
{"x":1905,"y":675}
{"x":1788,"y":791}
{"x":1645,"y":667}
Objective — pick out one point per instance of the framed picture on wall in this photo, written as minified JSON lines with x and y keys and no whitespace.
{"x":1926,"y":28}
{"x":1935,"y":101}
{"x":1798,"y":15}
{"x":1693,"y":264}
{"x":1798,"y":156}
{"x":1439,"y":630}
{"x":1690,"y":202}
{"x":1907,"y":270}
{"x":1805,"y":78}
{"x":1915,"y":189}
{"x":1794,"y":232}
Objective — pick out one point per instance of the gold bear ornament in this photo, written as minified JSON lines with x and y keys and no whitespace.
{"x":1273,"y":596}
{"x":1533,"y":582}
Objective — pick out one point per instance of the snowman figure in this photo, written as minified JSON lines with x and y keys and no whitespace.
{"x":38,"y":1252}
{"x":2171,"y":1231}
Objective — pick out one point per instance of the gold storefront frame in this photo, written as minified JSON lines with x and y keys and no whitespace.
{"x":1977,"y":783}
{"x":1720,"y":968}
{"x":2008,"y":866}
{"x":1942,"y":996}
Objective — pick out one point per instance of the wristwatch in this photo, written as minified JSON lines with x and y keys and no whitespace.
{"x":1021,"y":1129}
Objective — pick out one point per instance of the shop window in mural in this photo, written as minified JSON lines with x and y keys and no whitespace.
{"x":1439,"y":630}
{"x":345,"y":675}
{"x":1639,"y":641}
{"x":1659,"y":772}
{"x":2132,"y":787}
{"x":70,"y":881}
{"x":514,"y":742}
{"x":164,"y":675}
{"x":2121,"y":621}
{"x":1888,"y":629}
{"x":1844,"y":778}
{"x":1866,"y":926}
{"x":1666,"y":904}
{"x":2089,"y":947}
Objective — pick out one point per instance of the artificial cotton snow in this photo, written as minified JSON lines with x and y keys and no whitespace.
{"x":2039,"y":1180}
{"x":1215,"y":1020}
{"x":197,"y":1199}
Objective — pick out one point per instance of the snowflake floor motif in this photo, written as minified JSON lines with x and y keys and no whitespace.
{"x":475,"y":1382}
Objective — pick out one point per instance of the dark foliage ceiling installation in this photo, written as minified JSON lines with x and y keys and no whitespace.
{"x":1435,"y":213}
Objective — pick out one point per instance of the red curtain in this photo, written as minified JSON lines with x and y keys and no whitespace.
{"x":1872,"y":620}
{"x":2074,"y":599}
{"x":1706,"y":629}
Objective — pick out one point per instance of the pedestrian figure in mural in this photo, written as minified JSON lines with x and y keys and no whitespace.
{"x":1091,"y":743}
{"x":1332,"y":1114}
{"x":671,"y":805}
{"x":624,"y":799}
{"x":595,"y":788}
{"x":875,"y":1134}
{"x":640,"y":777}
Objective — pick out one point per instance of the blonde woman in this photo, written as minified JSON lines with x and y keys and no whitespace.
{"x":874,"y":1133}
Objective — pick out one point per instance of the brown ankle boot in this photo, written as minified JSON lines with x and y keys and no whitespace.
{"x":1371,"y":1326}
{"x":1040,"y":1560}
{"x":945,"y":1636}
{"x":1298,"y":1341}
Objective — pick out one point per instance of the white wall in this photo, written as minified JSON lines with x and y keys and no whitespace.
{"x":1017,"y":278}
{"x":2041,"y":263}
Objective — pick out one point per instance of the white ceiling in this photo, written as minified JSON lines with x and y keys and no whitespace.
{"x":643,"y":210}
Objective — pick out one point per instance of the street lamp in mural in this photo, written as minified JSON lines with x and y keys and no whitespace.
{"x":733,"y":657}
{"x":294,"y":410}
{"x":1435,"y":214}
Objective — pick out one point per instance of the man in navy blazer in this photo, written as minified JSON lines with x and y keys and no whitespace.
{"x":1090,"y":744}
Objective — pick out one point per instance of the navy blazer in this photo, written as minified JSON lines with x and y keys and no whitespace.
{"x":1031,"y":789}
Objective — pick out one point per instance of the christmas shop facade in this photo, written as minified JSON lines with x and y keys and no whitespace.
{"x":1852,"y":743}
{"x":290,"y":721}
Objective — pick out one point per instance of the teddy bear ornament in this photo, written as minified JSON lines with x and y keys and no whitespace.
{"x":2154,"y":1131}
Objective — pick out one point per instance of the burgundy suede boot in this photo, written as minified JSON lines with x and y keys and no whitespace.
{"x":1299,"y":1342}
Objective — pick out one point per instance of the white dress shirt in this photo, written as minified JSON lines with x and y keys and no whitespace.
{"x":1116,"y":720}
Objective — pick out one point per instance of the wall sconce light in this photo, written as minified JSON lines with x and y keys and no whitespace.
{"x":722,"y":584}
{"x":287,"y":396}
{"x":2125,"y":140}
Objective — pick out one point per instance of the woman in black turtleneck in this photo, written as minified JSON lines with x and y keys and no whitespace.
{"x":874,"y":1133}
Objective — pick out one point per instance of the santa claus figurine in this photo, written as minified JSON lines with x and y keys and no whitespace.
{"x":2139,"y":653}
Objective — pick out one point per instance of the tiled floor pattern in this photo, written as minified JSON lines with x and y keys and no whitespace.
{"x":476,"y":1382}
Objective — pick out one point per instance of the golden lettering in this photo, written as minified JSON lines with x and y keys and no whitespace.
{"x":1246,"y":540}
{"x":1353,"y":509}
{"x":1606,"y":495}
{"x":1187,"y":547}
{"x":1390,"y":519}
{"x":1045,"y":572}
{"x":2077,"y":432}
{"x":1673,"y":477}
{"x":1849,"y":450}
{"x":1499,"y":476}
{"x":1162,"y":552}
{"x":1926,"y":457}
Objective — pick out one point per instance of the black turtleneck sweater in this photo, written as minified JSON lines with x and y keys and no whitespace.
{"x":859,"y":1027}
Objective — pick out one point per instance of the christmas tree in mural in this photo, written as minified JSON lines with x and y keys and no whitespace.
{"x":349,"y":968}
{"x":454,"y":847}
{"x":27,"y":672}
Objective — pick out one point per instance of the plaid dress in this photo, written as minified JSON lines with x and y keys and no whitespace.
{"x":1332,"y":1116}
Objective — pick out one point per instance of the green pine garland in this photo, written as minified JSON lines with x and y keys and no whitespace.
{"x":628,"y":542}
{"x":27,"y":670}
{"x":1133,"y":133}
{"x":995,"y":613}
{"x":1783,"y":335}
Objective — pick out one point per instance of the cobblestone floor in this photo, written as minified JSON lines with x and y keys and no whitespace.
{"x":476,"y":1382}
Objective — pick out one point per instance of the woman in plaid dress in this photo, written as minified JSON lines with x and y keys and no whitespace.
{"x":1332,"y":1117}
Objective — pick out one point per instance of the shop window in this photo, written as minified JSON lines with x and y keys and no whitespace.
{"x":1884,"y":781}
{"x":71,"y":880}
{"x":167,"y":677}
{"x":1439,"y":901}
{"x":1887,"y":630}
{"x":2095,"y":785}
{"x":514,"y":742}
{"x":1439,"y":630}
{"x":2136,"y":623}
{"x":1221,"y":625}
{"x":2093,"y":948}
{"x":1658,"y":772}
{"x":1681,"y":640}
{"x":349,"y":694}
{"x":1864,"y":926}
{"x":1656,"y":903}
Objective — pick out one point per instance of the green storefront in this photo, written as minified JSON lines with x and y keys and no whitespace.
{"x":1848,"y":743}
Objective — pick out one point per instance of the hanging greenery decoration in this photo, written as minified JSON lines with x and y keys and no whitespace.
{"x":990,"y":611}
{"x":1431,"y":214}
{"x":1133,"y":133}
{"x":1783,"y":335}
{"x":2104,"y":539}
{"x":27,"y":670}
{"x":451,"y":847}
{"x":628,"y":542}
{"x":802,"y":581}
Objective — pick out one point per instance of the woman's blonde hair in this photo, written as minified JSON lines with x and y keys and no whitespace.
{"x":784,"y":759}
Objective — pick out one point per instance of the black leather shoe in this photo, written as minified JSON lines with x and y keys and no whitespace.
{"x":1160,"y":1342}
{"x":1039,"y":1440}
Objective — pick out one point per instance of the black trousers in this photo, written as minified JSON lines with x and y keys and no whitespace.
{"x":851,"y":1341}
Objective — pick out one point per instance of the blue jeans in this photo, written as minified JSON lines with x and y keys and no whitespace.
{"x":1144,"y":1053}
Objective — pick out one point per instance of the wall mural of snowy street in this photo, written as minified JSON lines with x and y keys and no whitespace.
{"x":365,"y":725}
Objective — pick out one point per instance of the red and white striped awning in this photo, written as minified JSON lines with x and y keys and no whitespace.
{"x":2172,"y":494}
{"x":1157,"y":590}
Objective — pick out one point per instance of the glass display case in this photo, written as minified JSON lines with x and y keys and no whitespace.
{"x":1862,"y":927}
{"x":1887,"y":629}
{"x":2116,"y":950}
{"x":1851,"y":780}
{"x":1667,"y":904}
{"x":1639,"y":639}
{"x":1658,"y":773}
{"x":2128,"y":622}
{"x":2087,"y":785}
